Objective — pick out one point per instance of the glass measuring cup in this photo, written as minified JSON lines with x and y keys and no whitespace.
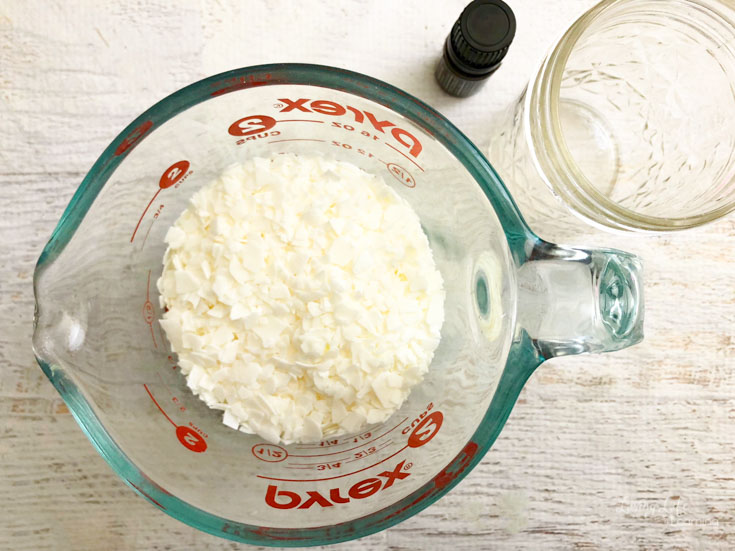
{"x":627,"y":122}
{"x":513,"y":301}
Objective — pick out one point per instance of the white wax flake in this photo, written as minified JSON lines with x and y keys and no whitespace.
{"x":303,"y":300}
{"x":175,"y":237}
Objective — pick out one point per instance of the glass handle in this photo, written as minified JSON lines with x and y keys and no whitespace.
{"x":573,"y":301}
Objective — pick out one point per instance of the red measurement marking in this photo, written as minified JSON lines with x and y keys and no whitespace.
{"x":239,"y":83}
{"x":426,"y":429}
{"x":144,"y":211}
{"x":148,"y":232}
{"x":189,"y":438}
{"x":401,"y":175}
{"x":314,"y":464}
{"x":200,"y":431}
{"x":270,"y":453}
{"x":174,"y":174}
{"x":382,"y":447}
{"x":251,"y":125}
{"x":299,"y":120}
{"x":362,"y":444}
{"x":132,"y":138}
{"x":333,"y":477}
{"x":419,"y":499}
{"x":148,"y":312}
{"x":321,"y":446}
{"x":407,"y":157}
{"x":458,"y":465}
{"x":171,"y":176}
{"x":145,"y":494}
{"x":296,"y":140}
{"x":145,"y":386}
{"x":275,"y":534}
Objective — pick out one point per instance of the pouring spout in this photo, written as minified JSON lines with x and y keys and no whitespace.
{"x":575,"y":301}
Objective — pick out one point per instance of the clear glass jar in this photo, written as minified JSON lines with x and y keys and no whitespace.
{"x":628,"y":122}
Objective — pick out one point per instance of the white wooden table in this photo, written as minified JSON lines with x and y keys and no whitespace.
{"x":629,"y":450}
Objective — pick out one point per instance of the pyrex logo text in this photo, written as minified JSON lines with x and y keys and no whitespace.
{"x":360,"y":490}
{"x":325,"y":107}
{"x":425,"y":428}
{"x":257,"y":124}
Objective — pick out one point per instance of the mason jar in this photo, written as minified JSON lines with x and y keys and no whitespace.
{"x":629,"y":122}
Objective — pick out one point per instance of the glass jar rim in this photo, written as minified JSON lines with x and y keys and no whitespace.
{"x":550,"y":152}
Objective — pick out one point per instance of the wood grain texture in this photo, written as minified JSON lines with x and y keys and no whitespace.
{"x":633,"y":450}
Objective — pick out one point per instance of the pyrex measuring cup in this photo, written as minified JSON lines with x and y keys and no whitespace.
{"x":513,"y":301}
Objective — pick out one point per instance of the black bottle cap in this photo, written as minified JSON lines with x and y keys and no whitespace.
{"x":476,"y":45}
